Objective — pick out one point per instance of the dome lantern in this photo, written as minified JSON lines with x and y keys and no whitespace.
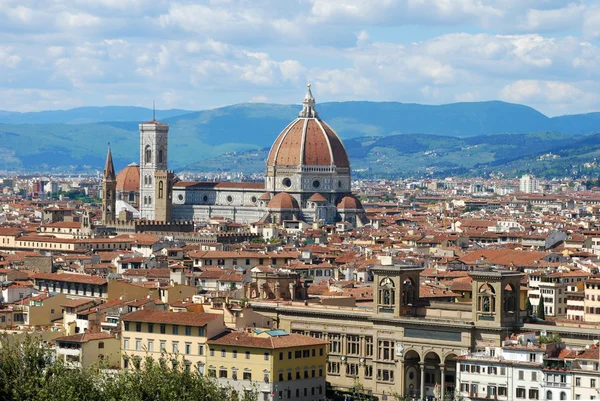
{"x":308,"y":105}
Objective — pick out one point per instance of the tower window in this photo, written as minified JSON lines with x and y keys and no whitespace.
{"x":160,"y":156}
{"x":148,"y":154}
{"x":160,"y":190}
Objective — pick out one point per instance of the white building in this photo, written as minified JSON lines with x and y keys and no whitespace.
{"x":528,"y":184}
{"x":511,"y":372}
{"x":552,"y":286}
{"x":523,"y":369}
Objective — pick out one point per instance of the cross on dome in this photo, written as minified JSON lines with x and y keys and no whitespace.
{"x":308,"y":105}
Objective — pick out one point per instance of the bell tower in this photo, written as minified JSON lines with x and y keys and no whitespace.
{"x":163,"y":206}
{"x":153,"y":158}
{"x":396,"y":287}
{"x":109,"y":190}
{"x":496,"y":300}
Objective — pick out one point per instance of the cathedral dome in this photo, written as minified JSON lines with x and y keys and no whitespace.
{"x":283,"y":200}
{"x":128,"y":179}
{"x":349,"y":202}
{"x":308,"y":141}
{"x":317,"y":197}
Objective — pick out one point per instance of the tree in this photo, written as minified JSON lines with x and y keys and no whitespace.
{"x":541,"y":314}
{"x":529,"y":307}
{"x":28,"y":371}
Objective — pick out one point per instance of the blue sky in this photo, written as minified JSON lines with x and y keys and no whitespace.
{"x":195,"y":55}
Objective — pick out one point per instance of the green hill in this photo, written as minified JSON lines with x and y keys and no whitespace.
{"x":544,"y":154}
{"x":375,"y":134}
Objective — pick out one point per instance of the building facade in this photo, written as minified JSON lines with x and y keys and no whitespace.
{"x":153,"y":159}
{"x":279,"y":365}
{"x":406,"y":345}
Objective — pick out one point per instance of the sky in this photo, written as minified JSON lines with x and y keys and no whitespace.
{"x":204,"y":54}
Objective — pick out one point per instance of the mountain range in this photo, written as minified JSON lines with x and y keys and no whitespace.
{"x":411,"y":138}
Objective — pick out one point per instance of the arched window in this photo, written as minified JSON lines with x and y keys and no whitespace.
{"x":160,"y":156}
{"x":548,"y":395}
{"x":563,"y":395}
{"x":149,"y":200}
{"x":386,"y":292}
{"x":145,"y":200}
{"x":510,"y":299}
{"x":160,"y":190}
{"x":408,"y":292}
{"x":148,"y":154}
{"x":487,"y":299}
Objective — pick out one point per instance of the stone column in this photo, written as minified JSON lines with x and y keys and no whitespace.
{"x":422,"y":395}
{"x":402,"y":380}
{"x":443,"y":381}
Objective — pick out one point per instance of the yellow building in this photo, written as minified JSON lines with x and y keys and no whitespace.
{"x":279,"y":365}
{"x":176,"y":335}
{"x":84,"y":350}
{"x":592,"y":300}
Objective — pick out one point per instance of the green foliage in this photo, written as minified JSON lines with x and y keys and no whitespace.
{"x":529,"y":307}
{"x":541,"y":313}
{"x":551,"y":339}
{"x":29,"y":372}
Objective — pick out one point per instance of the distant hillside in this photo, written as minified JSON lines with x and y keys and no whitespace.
{"x":544,"y":154}
{"x":58,"y":140}
{"x":86,"y":115}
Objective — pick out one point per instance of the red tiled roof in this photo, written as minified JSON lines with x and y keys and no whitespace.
{"x":85,"y":337}
{"x":243,"y":339}
{"x":182,"y":318}
{"x":71,"y":278}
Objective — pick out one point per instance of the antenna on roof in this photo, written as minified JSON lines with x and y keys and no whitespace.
{"x":153,"y":111}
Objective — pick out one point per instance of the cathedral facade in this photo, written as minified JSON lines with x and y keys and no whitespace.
{"x":307,"y":179}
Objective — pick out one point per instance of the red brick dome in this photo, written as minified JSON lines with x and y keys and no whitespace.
{"x":349,"y":202}
{"x":283,"y":200}
{"x":128,"y":179}
{"x":308,"y":141}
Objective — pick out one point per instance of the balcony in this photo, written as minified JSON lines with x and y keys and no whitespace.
{"x":555,"y":384}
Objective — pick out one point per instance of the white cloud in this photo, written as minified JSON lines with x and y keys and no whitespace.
{"x":558,"y":95}
{"x":214,"y":52}
{"x":259,"y":99}
{"x":8,"y":58}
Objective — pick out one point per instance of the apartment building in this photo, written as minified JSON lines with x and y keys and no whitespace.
{"x":180,"y":336}
{"x":232,"y":259}
{"x":523,"y":369}
{"x":592,"y":300}
{"x":77,"y":285}
{"x":279,"y":365}
{"x":86,"y":349}
{"x":514,"y":371}
{"x":553,"y":287}
{"x":576,"y":301}
{"x":585,"y":367}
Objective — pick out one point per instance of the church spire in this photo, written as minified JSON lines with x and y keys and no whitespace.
{"x":308,"y":105}
{"x":109,"y":168}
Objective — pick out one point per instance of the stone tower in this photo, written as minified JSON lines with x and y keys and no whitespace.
{"x":396,"y":287}
{"x":153,"y":158}
{"x":163,"y":205}
{"x":496,"y":300}
{"x":109,"y":190}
